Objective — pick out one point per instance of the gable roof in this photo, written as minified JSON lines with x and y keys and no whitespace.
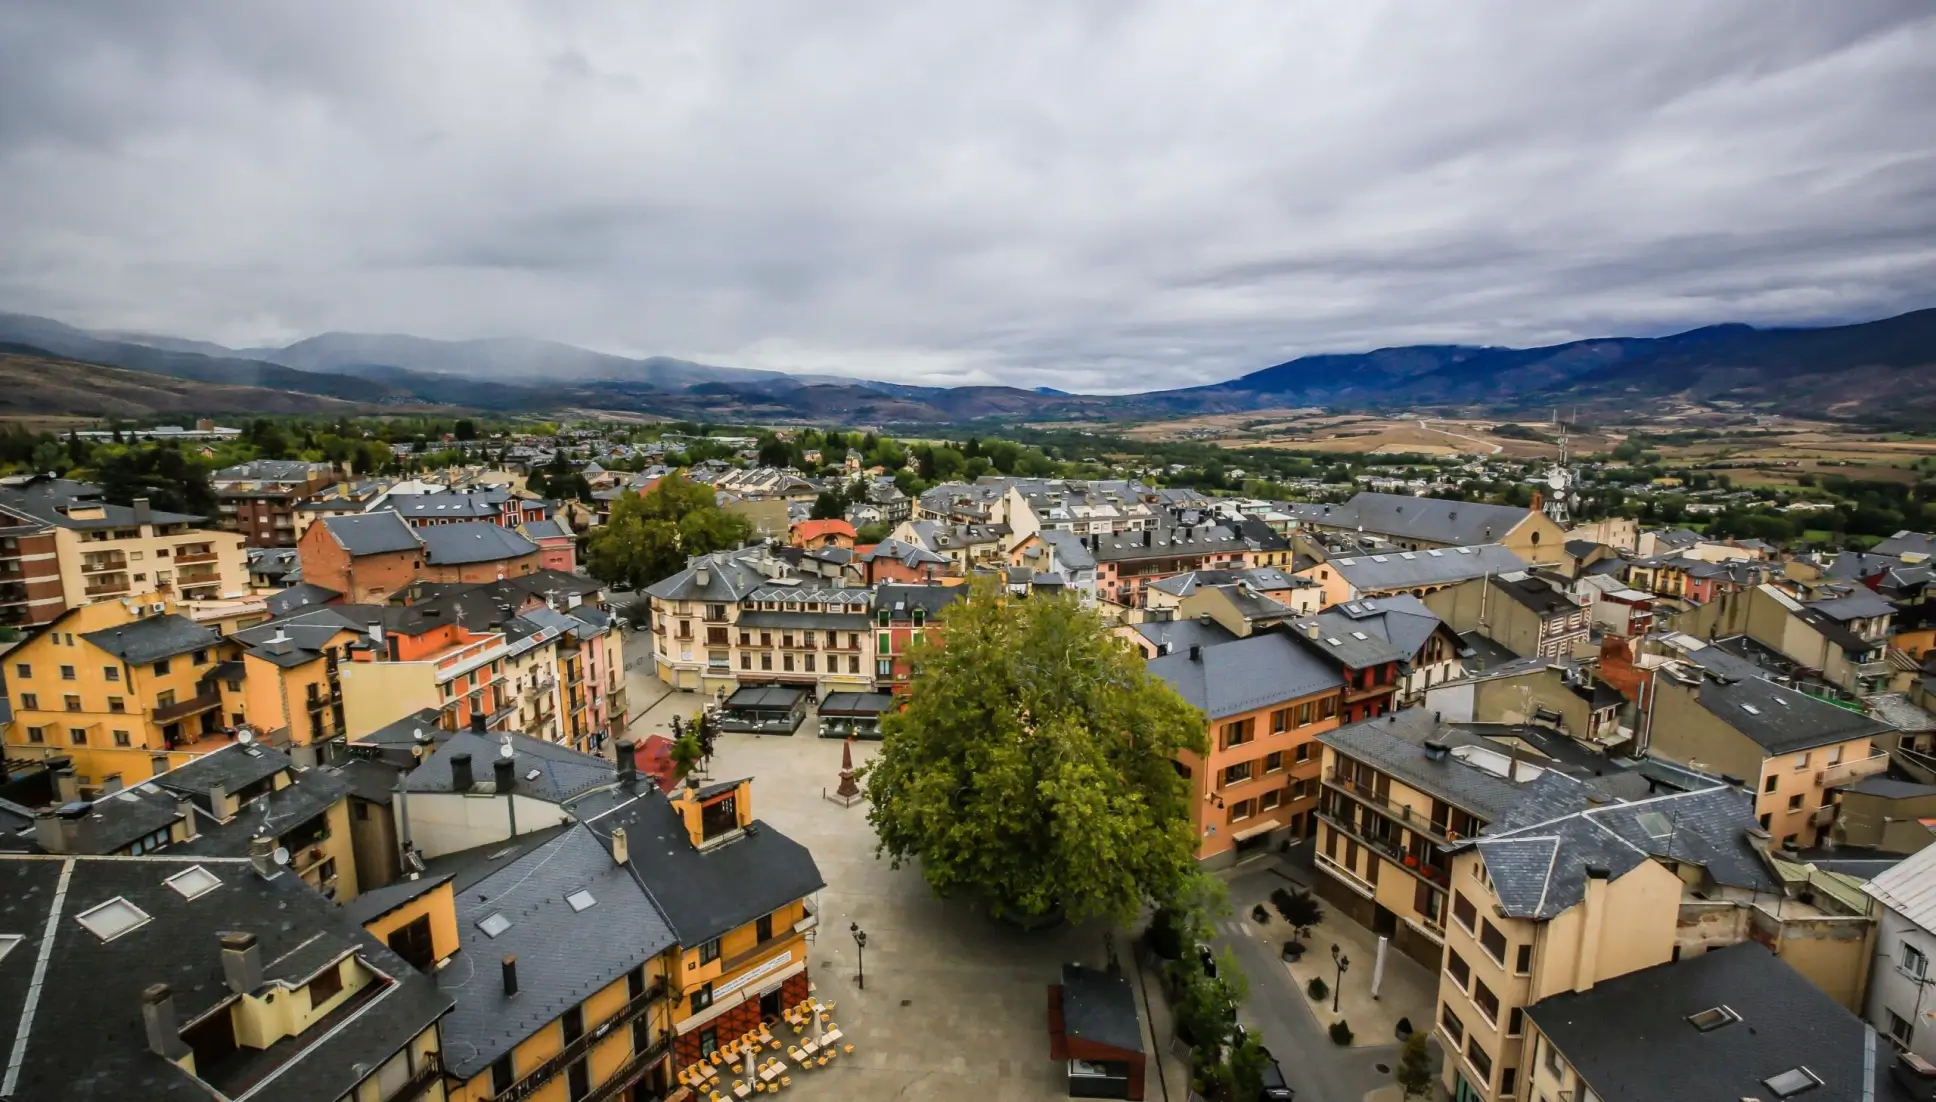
{"x":1909,"y":888}
{"x":1780,"y":719}
{"x":472,"y":541}
{"x":153,"y":638}
{"x":1245,"y":674}
{"x":378,"y":533}
{"x":301,"y":595}
{"x":1388,"y":570}
{"x":562,"y":773}
{"x":1427,"y":519}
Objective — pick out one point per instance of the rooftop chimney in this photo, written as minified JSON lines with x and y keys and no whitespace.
{"x":185,"y":807}
{"x":158,"y":1015}
{"x":621,"y":852}
{"x":1196,"y":652}
{"x":57,"y":831}
{"x":262,"y":854}
{"x":477,"y":720}
{"x":241,"y":962}
{"x":702,"y":575}
{"x":510,"y":975}
{"x":142,"y":514}
{"x":507,"y":777}
{"x":628,"y":764}
{"x":460,"y":773}
{"x":1435,"y":750}
{"x":67,"y":784}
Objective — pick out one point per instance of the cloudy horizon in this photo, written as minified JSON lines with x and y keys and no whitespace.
{"x":1095,"y":196}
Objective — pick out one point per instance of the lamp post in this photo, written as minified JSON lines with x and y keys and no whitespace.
{"x":860,"y":950}
{"x":1344,"y":965}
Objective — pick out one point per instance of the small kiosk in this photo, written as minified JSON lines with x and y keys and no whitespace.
{"x":856,"y":714}
{"x":764,"y":710}
{"x":1094,"y":1028}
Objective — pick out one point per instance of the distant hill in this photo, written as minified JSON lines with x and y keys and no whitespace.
{"x":1876,"y":370}
{"x":1879,"y":372}
{"x":33,"y":383}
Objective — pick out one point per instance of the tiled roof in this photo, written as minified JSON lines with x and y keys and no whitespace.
{"x":1246,"y":674}
{"x":154,"y":638}
{"x":378,"y":533}
{"x":1390,"y":570}
{"x":472,"y":541}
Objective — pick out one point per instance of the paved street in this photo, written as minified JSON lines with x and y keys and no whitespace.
{"x":954,"y":1006}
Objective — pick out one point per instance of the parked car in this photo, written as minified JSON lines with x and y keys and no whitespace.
{"x":1275,"y":1089}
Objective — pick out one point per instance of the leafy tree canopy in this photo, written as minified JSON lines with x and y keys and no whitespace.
{"x":650,"y":536}
{"x":1032,"y":764}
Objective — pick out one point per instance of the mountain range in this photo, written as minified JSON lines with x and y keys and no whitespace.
{"x":1874,"y":372}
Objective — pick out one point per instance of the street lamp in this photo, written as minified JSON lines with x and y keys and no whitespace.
{"x":1344,"y":965}
{"x":860,"y":950}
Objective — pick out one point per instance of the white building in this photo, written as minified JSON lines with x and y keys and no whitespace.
{"x":1901,"y":1005}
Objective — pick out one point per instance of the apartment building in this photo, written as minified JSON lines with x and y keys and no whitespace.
{"x":370,"y":556}
{"x":1299,"y":595}
{"x":124,"y":690}
{"x":56,"y":533}
{"x":1105,"y":508}
{"x":1715,"y":711}
{"x":1128,"y":563}
{"x":1386,"y":651}
{"x":1531,"y":614}
{"x":1840,"y":638}
{"x":1265,"y":700}
{"x":902,"y":615}
{"x":258,"y":498}
{"x":1423,"y":523}
{"x":205,"y":977}
{"x":291,"y":691}
{"x":1898,"y":1003}
{"x":1356,"y":576}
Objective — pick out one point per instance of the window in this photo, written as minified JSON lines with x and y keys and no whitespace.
{"x":161,"y":668}
{"x":1486,"y":1001}
{"x":326,"y":986}
{"x":763,"y":928}
{"x":1464,"y":911}
{"x":1458,"y":969}
{"x":36,"y":734}
{"x":23,"y":671}
{"x":572,"y":1021}
{"x":1508,"y":1079}
{"x":1481,"y":1062}
{"x":1270,"y":799}
{"x":1801,"y":761}
{"x":1238,"y":733}
{"x":1914,"y":961}
{"x":1770,"y":784}
{"x":709,"y":952}
{"x":884,"y":668}
{"x":702,"y":998}
{"x":1454,"y":1028}
{"x":121,"y":738}
{"x":1900,"y":1030}
{"x":111,"y":673}
{"x":1765,"y":820}
{"x":67,"y":673}
{"x":71,"y":702}
{"x":1303,"y":753}
{"x":578,"y":1081}
{"x":1555,"y":1066}
{"x":1493,"y":941}
{"x":1713,"y":1018}
{"x":30,"y":701}
{"x":1523,"y":960}
{"x":1280,"y":720}
{"x":1304,"y":713}
{"x":1237,"y":774}
{"x":112,"y":919}
{"x":1242,"y":809}
{"x":1274,"y":761}
{"x":1516,"y":1022}
{"x":77,"y":735}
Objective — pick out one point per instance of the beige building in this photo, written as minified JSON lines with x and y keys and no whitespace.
{"x":110,"y":552}
{"x":1839,"y":638}
{"x":1422,"y":523}
{"x":1528,"y":613}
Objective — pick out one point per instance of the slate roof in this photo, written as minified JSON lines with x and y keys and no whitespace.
{"x":377,"y":902}
{"x":269,"y":470}
{"x":1426,"y":519}
{"x":232,"y":768}
{"x":1394,"y":744}
{"x":1861,"y":603}
{"x":1909,"y":888}
{"x":87,"y":1040}
{"x":304,"y":636}
{"x":153,"y":638}
{"x":1390,"y":570}
{"x":369,"y":779}
{"x":1907,"y":543}
{"x":1181,"y":635}
{"x":1246,"y":674}
{"x":1536,"y":594}
{"x":1630,"y":1040}
{"x":1163,"y":543}
{"x":1780,"y":719}
{"x":1899,"y":712}
{"x":900,"y":601}
{"x":440,"y":506}
{"x":906,"y":553}
{"x":48,"y":500}
{"x":472,"y":541}
{"x":297,"y":597}
{"x":1371,"y":632}
{"x":545,"y":530}
{"x":564,"y":955}
{"x":562,"y":772}
{"x":1070,"y":552}
{"x":729,"y":577}
{"x":704,"y":894}
{"x":1100,"y":1007}
{"x":378,"y":533}
{"x":1539,"y":869}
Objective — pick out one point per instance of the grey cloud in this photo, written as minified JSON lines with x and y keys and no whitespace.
{"x":1104,"y":196}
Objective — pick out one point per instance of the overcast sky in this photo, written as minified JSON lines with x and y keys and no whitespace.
{"x":1100,"y":196}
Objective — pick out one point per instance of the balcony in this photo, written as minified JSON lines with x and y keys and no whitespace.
{"x":108,"y":588}
{"x":1431,"y":874}
{"x":169,"y":713}
{"x":583,"y":1044}
{"x":185,"y":558}
{"x":1351,"y":879}
{"x":1823,"y":816}
{"x":429,"y":1070}
{"x":91,"y":564}
{"x":630,"y":1072}
{"x":1842,"y":773}
{"x":1400,"y":812}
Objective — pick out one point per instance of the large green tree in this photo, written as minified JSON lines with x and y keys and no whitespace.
{"x":1032,"y":766}
{"x":650,"y":536}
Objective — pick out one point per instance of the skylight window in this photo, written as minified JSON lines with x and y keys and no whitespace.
{"x":7,"y":942}
{"x":1359,"y":635}
{"x":193,"y":883}
{"x":1751,"y":709}
{"x":580,"y":900}
{"x":1378,"y":558}
{"x":1408,"y":556}
{"x":1465,"y":550}
{"x":1792,"y":1082}
{"x":1655,"y":824}
{"x":494,"y":924}
{"x":1335,"y":641}
{"x":1713,"y":1018}
{"x":1436,"y":554}
{"x":112,"y":919}
{"x":1347,"y":562}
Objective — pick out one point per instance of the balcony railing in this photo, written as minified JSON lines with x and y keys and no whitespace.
{"x":630,"y":1072}
{"x":193,"y":706}
{"x":105,"y":588}
{"x":583,"y":1043}
{"x":1843,"y":772}
{"x":1423,"y":824}
{"x":106,"y":563}
{"x":430,"y":1068}
{"x":1431,"y":874}
{"x":1351,"y":879}
{"x":183,"y":558}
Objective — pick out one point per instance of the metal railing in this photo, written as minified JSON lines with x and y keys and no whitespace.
{"x":171,"y":712}
{"x":1846,"y":771}
{"x":1431,"y":874}
{"x":429,"y":1070}
{"x":583,"y":1044}
{"x":1384,"y":806}
{"x":630,"y":1072}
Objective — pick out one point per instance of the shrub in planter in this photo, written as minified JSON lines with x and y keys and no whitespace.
{"x":1165,"y":934}
{"x":1317,"y":988}
{"x":1293,"y":949}
{"x":1404,"y":1028}
{"x":1340,"y":1033}
{"x":1260,"y":915}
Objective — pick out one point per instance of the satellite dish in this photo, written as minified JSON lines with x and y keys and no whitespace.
{"x":1556,"y":479}
{"x":281,"y":855}
{"x":244,"y":736}
{"x":505,"y":751}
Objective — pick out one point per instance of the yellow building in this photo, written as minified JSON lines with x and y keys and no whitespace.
{"x":124,"y":689}
{"x":292,"y":694}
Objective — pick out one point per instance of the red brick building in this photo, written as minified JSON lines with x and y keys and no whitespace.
{"x":366,"y":557}
{"x":258,"y":498}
